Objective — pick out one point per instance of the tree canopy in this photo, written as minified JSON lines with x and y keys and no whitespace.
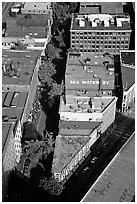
{"x":51,"y":185}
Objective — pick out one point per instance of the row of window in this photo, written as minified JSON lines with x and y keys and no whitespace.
{"x":99,"y":42}
{"x":97,"y":38}
{"x":101,"y":33}
{"x":100,"y":49}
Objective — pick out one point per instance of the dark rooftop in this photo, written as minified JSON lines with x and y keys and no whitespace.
{"x":5,"y":131}
{"x":128,"y":58}
{"x":18,"y":66}
{"x":128,"y":77}
{"x":101,"y":7}
{"x":77,"y":128}
{"x":100,"y":22}
{"x":118,"y":180}
{"x":13,"y":105}
{"x":14,"y":30}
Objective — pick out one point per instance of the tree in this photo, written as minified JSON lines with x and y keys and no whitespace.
{"x":52,"y":52}
{"x":51,"y":185}
{"x":59,"y":39}
{"x":29,"y":132}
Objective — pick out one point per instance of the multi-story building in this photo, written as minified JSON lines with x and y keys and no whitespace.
{"x":89,"y":74}
{"x":99,"y":109}
{"x":20,"y":71}
{"x":72,"y":146}
{"x":11,"y":150}
{"x":127,"y":59}
{"x":100,"y":32}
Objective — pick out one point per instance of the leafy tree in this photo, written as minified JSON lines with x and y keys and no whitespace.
{"x":59,"y":39}
{"x":51,"y":185}
{"x":52,"y":52}
{"x":29,"y":132}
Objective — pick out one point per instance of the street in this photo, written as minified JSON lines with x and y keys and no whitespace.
{"x":87,"y":173}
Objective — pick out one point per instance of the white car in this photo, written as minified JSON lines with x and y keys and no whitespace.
{"x":93,"y":160}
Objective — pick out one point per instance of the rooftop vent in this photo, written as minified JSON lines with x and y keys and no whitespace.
{"x":81,"y":23}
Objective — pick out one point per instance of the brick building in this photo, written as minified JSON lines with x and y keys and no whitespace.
{"x":100,"y":32}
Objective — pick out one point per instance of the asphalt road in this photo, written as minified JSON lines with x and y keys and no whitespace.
{"x":81,"y":180}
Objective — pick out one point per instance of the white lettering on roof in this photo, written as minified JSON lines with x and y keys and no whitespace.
{"x":88,"y":82}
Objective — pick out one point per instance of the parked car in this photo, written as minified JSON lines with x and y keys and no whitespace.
{"x":86,"y":169}
{"x":93,"y":160}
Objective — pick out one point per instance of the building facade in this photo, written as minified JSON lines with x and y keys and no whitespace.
{"x":127,"y":59}
{"x":100,"y":32}
{"x":11,"y":151}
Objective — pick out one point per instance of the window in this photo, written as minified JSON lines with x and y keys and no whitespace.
{"x":123,"y":33}
{"x":102,"y":33}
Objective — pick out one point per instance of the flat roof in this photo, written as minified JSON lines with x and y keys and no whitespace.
{"x":118,"y":180}
{"x":66,"y":147}
{"x":84,"y":70}
{"x":23,"y":65}
{"x":99,"y":21}
{"x":105,"y":7}
{"x":77,"y":128}
{"x":128,"y":76}
{"x":43,"y":6}
{"x":85,"y":105}
{"x":13,"y":30}
{"x":5,"y":133}
{"x":13,"y":104}
{"x":128,"y":58}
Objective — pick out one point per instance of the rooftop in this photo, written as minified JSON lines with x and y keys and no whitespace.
{"x":13,"y":104}
{"x":85,"y":105}
{"x":42,"y":6}
{"x":128,"y":57}
{"x":118,"y":180}
{"x":77,"y":128}
{"x":18,"y":66}
{"x":89,"y":70}
{"x":66,"y":147}
{"x":19,"y":26}
{"x":5,"y":133}
{"x":100,"y":22}
{"x":128,"y":77}
{"x":101,"y":7}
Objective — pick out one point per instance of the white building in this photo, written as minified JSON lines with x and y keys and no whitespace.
{"x":99,"y":109}
{"x":128,"y":78}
